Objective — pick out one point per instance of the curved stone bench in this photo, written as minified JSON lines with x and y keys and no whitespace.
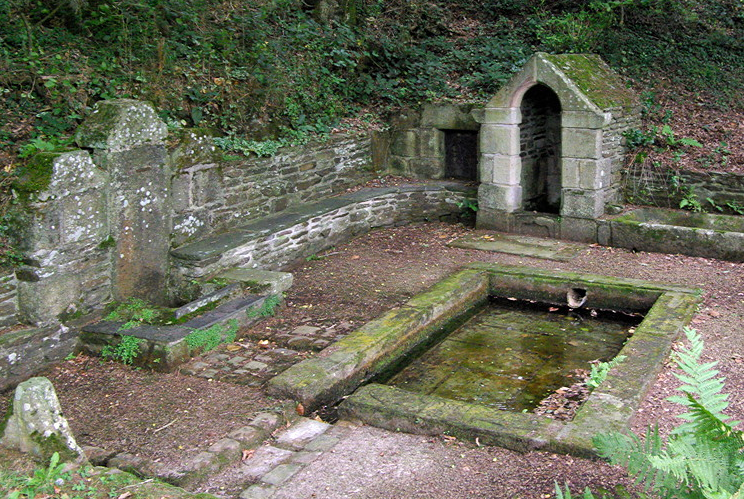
{"x":273,"y":242}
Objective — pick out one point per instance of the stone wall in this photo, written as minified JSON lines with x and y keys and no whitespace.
{"x":211,"y":196}
{"x":668,"y":188}
{"x":321,"y":226}
{"x":613,"y":149}
{"x":8,"y":298}
{"x":24,"y":352}
{"x":417,"y":139}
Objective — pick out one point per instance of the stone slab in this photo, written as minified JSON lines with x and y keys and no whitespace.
{"x":300,"y":434}
{"x":264,"y":460}
{"x":549,"y":249}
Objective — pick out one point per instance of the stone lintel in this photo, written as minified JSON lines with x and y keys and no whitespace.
{"x":448,"y":117}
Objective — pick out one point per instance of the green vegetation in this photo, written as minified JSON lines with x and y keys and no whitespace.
{"x":41,"y":482}
{"x":125,"y":351}
{"x":86,"y":482}
{"x":268,"y":307}
{"x":136,"y":312}
{"x":275,"y":72}
{"x":600,"y":371}
{"x":207,"y":339}
{"x":702,"y":458}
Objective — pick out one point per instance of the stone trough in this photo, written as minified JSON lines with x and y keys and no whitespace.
{"x":163,"y":348}
{"x":349,"y":368}
{"x":676,"y":231}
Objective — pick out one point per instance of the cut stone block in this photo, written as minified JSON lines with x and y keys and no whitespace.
{"x":259,"y":281}
{"x":301,"y":433}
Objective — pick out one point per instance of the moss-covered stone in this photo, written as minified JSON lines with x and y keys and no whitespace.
{"x":194,"y":146}
{"x":595,"y":79}
{"x":121,"y":124}
{"x":36,"y":424}
{"x":36,"y":175}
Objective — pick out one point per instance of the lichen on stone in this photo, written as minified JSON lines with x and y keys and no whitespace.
{"x":595,"y":79}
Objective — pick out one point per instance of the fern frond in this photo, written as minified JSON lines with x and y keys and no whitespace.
{"x":701,"y":388}
{"x":634,"y":454}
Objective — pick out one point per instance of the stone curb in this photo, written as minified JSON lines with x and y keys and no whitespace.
{"x":220,"y":454}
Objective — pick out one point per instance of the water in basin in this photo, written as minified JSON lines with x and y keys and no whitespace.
{"x":510,"y":356}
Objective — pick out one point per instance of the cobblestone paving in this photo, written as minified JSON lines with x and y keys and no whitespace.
{"x":253,"y":361}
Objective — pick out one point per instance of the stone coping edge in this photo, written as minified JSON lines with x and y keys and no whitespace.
{"x":378,"y":345}
{"x":216,"y":244}
{"x":382,"y":343}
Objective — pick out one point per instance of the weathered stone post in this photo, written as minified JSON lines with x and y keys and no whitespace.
{"x":128,"y":142}
{"x":63,"y":235}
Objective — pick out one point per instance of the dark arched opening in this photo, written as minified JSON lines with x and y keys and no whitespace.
{"x":540,"y":150}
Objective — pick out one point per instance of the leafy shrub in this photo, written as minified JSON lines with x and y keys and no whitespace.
{"x":125,"y":351}
{"x":703,"y":457}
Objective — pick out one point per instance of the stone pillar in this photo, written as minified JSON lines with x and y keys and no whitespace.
{"x":64,"y":234}
{"x":586,"y":174}
{"x":128,"y":140}
{"x":500,"y":166}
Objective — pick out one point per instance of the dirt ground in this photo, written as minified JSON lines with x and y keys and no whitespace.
{"x":124,"y":409}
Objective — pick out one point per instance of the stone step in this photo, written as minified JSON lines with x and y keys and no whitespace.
{"x":166,"y":347}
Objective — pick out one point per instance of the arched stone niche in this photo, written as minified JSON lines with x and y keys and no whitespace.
{"x":552,"y":147}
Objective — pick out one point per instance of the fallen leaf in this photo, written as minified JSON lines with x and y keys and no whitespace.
{"x":232,"y":347}
{"x":300,"y":409}
{"x":553,"y":309}
{"x":247,"y":454}
{"x":125,"y":495}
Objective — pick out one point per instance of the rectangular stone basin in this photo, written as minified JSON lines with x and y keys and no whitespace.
{"x":677,"y":231}
{"x":350,"y":368}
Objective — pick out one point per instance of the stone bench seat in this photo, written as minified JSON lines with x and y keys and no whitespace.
{"x":274,"y":241}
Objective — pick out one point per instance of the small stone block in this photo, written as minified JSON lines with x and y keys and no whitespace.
{"x":202,"y":462}
{"x":301,"y":433}
{"x":281,"y":474}
{"x":226,"y":448}
{"x":98,"y":456}
{"x":258,"y":492}
{"x":248,"y":436}
{"x":265,"y":421}
{"x":236,"y":360}
{"x":255,"y":366}
{"x":218,"y":357}
{"x":209,"y":373}
{"x":305,"y":331}
{"x":305,"y":457}
{"x":322,"y":443}
{"x":301,"y":342}
{"x":265,"y":459}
